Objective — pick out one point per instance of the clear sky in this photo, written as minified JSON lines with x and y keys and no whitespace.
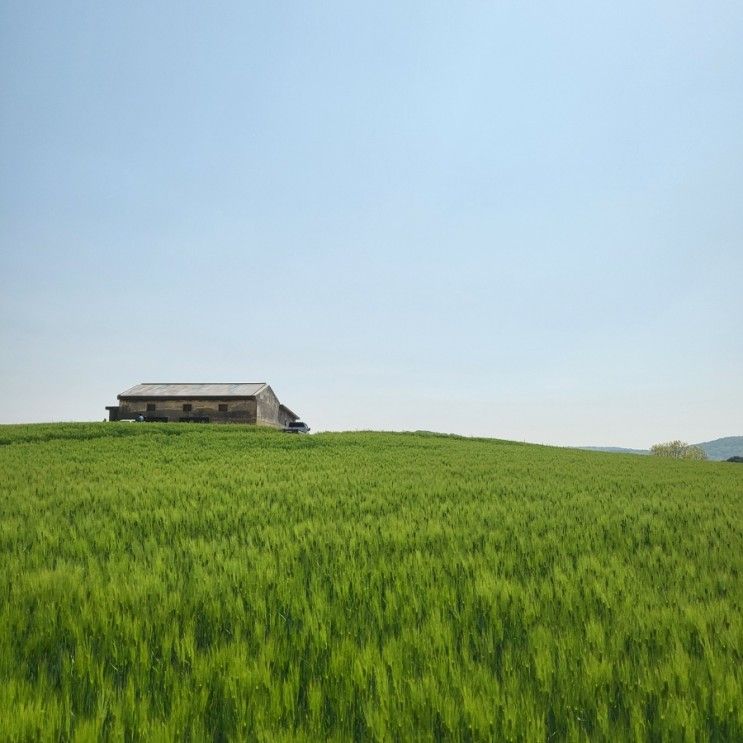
{"x":522,"y":220}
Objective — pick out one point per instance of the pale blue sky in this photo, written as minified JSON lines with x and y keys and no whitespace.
{"x":512,"y":219}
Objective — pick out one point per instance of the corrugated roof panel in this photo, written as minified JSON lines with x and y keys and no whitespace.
{"x":194,"y":389}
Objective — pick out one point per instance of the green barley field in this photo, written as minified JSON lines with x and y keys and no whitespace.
{"x":187,"y":583}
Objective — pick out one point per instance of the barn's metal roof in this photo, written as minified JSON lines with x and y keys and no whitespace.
{"x":194,"y":389}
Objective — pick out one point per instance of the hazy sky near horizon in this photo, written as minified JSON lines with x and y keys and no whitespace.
{"x":510,"y":219}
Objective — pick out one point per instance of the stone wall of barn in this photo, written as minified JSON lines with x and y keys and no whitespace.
{"x":235,"y":411}
{"x":267,"y":408}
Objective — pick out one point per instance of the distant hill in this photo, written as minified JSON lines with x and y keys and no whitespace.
{"x":718,"y":449}
{"x":615,"y":449}
{"x":729,"y":446}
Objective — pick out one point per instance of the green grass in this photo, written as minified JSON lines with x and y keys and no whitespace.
{"x":182,"y":582}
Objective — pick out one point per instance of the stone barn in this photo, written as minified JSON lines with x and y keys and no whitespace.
{"x":202,"y":402}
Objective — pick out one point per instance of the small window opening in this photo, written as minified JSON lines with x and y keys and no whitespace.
{"x":223,"y":407}
{"x":186,"y":407}
{"x":150,"y":406}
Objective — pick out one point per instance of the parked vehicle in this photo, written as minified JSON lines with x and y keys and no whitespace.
{"x":297,"y":427}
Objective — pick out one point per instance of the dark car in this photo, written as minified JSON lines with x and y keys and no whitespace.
{"x":297,"y":427}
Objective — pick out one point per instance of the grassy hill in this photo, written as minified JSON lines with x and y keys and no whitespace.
{"x":184,"y":582}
